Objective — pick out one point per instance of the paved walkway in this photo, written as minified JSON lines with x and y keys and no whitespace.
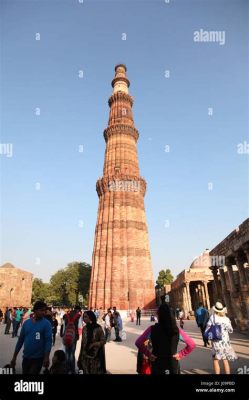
{"x":121,"y":357}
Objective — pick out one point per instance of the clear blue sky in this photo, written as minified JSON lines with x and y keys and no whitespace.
{"x":45,"y":225}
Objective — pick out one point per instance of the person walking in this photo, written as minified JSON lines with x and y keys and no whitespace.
{"x":132,"y":315}
{"x":201,"y":317}
{"x":8,"y":321}
{"x":25,"y":315}
{"x":107,"y":326}
{"x":70,"y":337}
{"x":36,"y":336}
{"x":138,"y":314}
{"x":221,"y":349}
{"x":181,"y":318}
{"x":17,"y":321}
{"x":54,"y":327}
{"x":118,"y":327}
{"x":159,"y":343}
{"x":92,"y":352}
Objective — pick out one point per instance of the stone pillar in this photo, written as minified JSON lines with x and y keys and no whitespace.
{"x":245,"y":248}
{"x":185,"y":305}
{"x":177,"y":298}
{"x":207,"y":295}
{"x":189,"y":296}
{"x":231,"y":276}
{"x":196,"y":299}
{"x":180,"y":297}
{"x":244,"y":292}
{"x":239,"y":259}
{"x":188,"y":305}
{"x":226,"y":293}
{"x":203,"y":294}
{"x":174,"y":298}
{"x":214,"y":270}
{"x":235,"y":297}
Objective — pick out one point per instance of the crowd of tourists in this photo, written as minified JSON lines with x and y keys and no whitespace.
{"x":157,"y":345}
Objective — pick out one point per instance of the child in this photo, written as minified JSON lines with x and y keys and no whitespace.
{"x":58,"y":363}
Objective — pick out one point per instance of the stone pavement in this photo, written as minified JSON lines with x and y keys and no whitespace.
{"x":121,"y":357}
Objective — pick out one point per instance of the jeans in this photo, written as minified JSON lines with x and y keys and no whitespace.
{"x":16,"y":325}
{"x":202,"y":328}
{"x":54,"y":336}
{"x":70,"y":358}
{"x":117,"y":337}
{"x":7,"y":328}
{"x":107,"y":335}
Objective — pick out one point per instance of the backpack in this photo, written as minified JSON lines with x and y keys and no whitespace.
{"x":213,"y":333}
{"x":70,"y":331}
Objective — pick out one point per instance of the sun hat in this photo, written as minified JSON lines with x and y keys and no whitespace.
{"x":218,"y":307}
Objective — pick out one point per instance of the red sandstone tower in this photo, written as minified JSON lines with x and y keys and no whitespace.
{"x":121,"y":268}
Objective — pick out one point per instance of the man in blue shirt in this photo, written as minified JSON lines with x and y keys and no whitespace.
{"x":202,"y":316}
{"x":36,"y":335}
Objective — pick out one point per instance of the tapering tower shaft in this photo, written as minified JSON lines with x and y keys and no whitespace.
{"x":121,"y":268}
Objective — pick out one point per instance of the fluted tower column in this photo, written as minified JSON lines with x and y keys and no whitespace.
{"x":121,"y":267}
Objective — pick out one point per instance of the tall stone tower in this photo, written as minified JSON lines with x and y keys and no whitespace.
{"x":121,"y":268}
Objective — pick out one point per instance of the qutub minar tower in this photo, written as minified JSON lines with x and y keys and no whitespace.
{"x":121,"y":268}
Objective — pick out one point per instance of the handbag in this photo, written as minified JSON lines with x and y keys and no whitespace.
{"x":213,"y":333}
{"x":146,"y":367}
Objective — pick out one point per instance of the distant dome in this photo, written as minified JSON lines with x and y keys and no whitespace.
{"x":7,"y":265}
{"x":203,"y":261}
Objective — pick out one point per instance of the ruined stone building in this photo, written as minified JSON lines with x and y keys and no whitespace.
{"x":230,"y":270}
{"x":193,"y":285}
{"x":15,"y":287}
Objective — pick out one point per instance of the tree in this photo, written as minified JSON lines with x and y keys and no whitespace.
{"x":80,"y":275}
{"x":164,"y":278}
{"x":40,"y":290}
{"x":71,"y":282}
{"x":58,"y":283}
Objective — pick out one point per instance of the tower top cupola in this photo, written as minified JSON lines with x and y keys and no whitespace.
{"x":120,"y":83}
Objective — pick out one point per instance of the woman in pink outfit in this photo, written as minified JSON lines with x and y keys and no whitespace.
{"x":159,"y":343}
